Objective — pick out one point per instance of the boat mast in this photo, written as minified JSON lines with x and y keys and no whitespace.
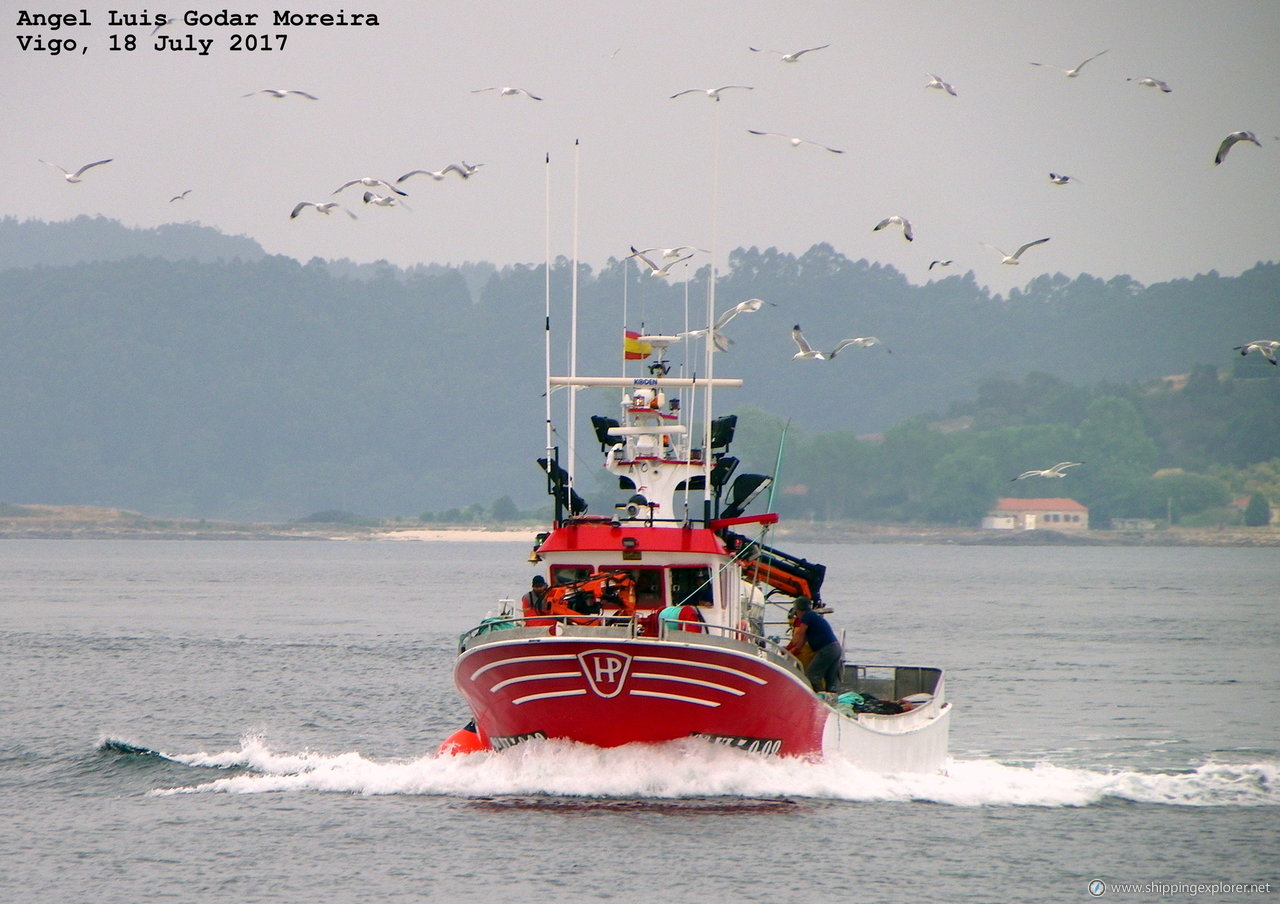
{"x":571,"y":451}
{"x":709,"y":352}
{"x":546,"y":316}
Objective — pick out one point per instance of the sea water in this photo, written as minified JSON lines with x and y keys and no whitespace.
{"x":248,"y":721}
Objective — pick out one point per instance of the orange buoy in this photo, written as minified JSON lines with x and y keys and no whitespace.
{"x":464,"y":740}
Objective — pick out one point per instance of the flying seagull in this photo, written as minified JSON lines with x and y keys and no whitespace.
{"x":806,"y":350}
{"x":439,"y":174}
{"x":1072,"y":73}
{"x":750,"y":306}
{"x":325,"y":207}
{"x":718,"y":340}
{"x":713,"y":93}
{"x":859,"y":342}
{"x":1147,"y":81}
{"x":369,"y":182}
{"x":383,"y":200}
{"x":897,"y":221}
{"x":1222,"y":148}
{"x":507,"y":91}
{"x":667,"y":253}
{"x":940,"y":84}
{"x":788,"y":57}
{"x":278,"y":93}
{"x":180,"y":197}
{"x":1055,"y":471}
{"x":1265,"y":347}
{"x":1060,"y":179}
{"x":654,"y":269}
{"x":946,"y":263}
{"x":1012,"y":259}
{"x":75,"y":177}
{"x":796,"y":142}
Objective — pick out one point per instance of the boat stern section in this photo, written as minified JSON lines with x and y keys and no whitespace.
{"x":913,"y":739}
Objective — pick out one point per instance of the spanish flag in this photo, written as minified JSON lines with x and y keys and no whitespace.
{"x":633,"y":349}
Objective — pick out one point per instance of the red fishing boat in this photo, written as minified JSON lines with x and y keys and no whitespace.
{"x":595,"y":664}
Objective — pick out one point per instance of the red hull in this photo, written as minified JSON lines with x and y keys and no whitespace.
{"x":609,"y":691}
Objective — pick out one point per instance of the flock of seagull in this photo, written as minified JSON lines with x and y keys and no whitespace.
{"x":938,"y":83}
{"x":660,"y":261}
{"x":805,"y":351}
{"x":463,"y":170}
{"x":1005,"y":258}
{"x":396,"y":195}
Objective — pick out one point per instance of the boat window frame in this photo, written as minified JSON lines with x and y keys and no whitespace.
{"x":580,"y":572}
{"x":708,"y":578}
{"x":585,"y":571}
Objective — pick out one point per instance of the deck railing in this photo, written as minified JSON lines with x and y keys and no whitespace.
{"x":514,"y":627}
{"x":891,"y":682}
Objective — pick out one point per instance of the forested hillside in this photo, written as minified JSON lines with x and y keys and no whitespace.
{"x":1180,"y":450}
{"x":220,"y":384}
{"x":29,"y":243}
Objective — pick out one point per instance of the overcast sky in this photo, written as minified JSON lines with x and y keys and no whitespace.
{"x":1145,"y":199}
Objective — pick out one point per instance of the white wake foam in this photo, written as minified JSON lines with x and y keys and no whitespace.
{"x":691,"y":769}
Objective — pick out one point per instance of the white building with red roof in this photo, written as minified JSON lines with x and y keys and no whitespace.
{"x":1037,"y":514}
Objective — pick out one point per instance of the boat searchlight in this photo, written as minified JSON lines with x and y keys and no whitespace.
{"x":631,"y":509}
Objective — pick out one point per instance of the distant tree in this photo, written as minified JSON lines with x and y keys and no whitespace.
{"x":1203,"y":382}
{"x":908,"y":456}
{"x":1119,"y":459}
{"x":1258,"y":512}
{"x":504,"y":509}
{"x":965,"y":486}
{"x":757,"y":439}
{"x":1176,"y":495}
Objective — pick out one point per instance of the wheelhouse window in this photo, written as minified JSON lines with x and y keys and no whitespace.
{"x":569,"y":574}
{"x":691,"y":584}
{"x":648,"y":582}
{"x":649,"y":593}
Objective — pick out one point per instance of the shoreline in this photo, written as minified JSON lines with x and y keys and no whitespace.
{"x":91,"y":523}
{"x":1243,"y":537}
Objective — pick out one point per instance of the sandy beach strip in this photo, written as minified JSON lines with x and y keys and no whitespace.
{"x":461,"y":535}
